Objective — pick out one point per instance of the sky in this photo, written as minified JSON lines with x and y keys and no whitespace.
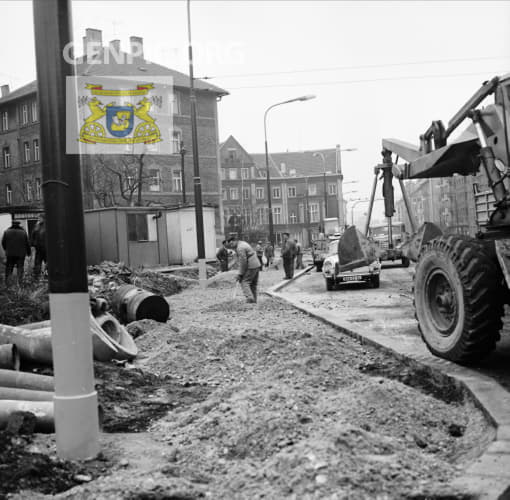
{"x":378,"y":69}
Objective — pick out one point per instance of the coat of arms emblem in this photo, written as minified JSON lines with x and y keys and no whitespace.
{"x":122,"y":123}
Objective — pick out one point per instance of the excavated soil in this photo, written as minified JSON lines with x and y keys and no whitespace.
{"x":230,"y":400}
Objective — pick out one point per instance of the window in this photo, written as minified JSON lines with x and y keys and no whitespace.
{"x":223,"y":174}
{"x":34,"y":111}
{"x":292,"y":191}
{"x":224,"y":194}
{"x":232,"y":154}
{"x":332,"y":189}
{"x":38,"y":191}
{"x":247,"y":216}
{"x":24,"y":114}
{"x":176,"y":181}
{"x":232,"y":174}
{"x":36,"y":149}
{"x":225,"y":215}
{"x":263,"y":174}
{"x":234,"y":194}
{"x":6,"y":153}
{"x":277,"y":215}
{"x":277,"y":192}
{"x":28,"y":190}
{"x":142,"y":227}
{"x":259,"y":193}
{"x":314,"y":212}
{"x":155,"y":180}
{"x":245,"y":173}
{"x":8,"y":194}
{"x":175,"y":103}
{"x":26,"y":152}
{"x":246,"y":193}
{"x":293,"y":218}
{"x":5,"y":121}
{"x":176,"y":141}
{"x":312,"y":189}
{"x":261,"y":215}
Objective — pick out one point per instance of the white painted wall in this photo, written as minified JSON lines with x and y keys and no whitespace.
{"x":5,"y":222}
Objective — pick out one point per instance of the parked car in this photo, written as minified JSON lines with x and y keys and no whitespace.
{"x":366,"y":274}
{"x":322,"y":248}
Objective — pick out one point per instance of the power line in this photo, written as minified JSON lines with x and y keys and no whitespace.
{"x":368,"y":80}
{"x":364,"y":66}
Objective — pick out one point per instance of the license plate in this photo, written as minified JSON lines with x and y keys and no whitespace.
{"x":351,"y":278}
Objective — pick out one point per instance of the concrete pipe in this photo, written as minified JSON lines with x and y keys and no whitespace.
{"x":42,"y":410}
{"x":132,"y":304}
{"x":32,"y":345}
{"x":22,"y":380}
{"x":13,"y":393}
{"x":9,"y":357}
{"x":111,"y":340}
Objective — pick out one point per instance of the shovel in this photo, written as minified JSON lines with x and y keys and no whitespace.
{"x":234,"y":293}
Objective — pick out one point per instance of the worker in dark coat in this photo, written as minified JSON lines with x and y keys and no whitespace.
{"x":288,"y":255}
{"x":269,"y":253}
{"x":16,"y":246}
{"x":259,"y":250}
{"x":38,"y":241}
{"x":249,"y":267}
{"x":222,"y":256}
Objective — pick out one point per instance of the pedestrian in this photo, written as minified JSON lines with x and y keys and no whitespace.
{"x":38,"y":241}
{"x":222,"y":256}
{"x":249,"y":267}
{"x":299,"y":256}
{"x":288,"y":256}
{"x":16,"y":246}
{"x":259,"y":250}
{"x":269,"y":253}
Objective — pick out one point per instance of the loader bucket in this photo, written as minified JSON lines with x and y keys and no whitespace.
{"x":428,"y":231}
{"x":354,"y":250}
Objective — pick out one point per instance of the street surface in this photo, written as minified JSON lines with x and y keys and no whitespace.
{"x":387,"y":311}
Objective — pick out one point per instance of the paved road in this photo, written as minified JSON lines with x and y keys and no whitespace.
{"x":388,"y":311}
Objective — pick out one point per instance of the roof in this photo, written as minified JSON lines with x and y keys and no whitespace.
{"x":303,"y":162}
{"x":140,"y":67}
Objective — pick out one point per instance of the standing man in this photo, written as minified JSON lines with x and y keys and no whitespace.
{"x":288,"y":256}
{"x":259,"y":250}
{"x":222,"y":256}
{"x":38,"y":241}
{"x":249,"y":267}
{"x":299,"y":256}
{"x":269,"y":253}
{"x":16,"y":246}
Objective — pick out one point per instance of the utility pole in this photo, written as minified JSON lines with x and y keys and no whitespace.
{"x":75,"y":400}
{"x":199,"y":216}
{"x":182,"y":152}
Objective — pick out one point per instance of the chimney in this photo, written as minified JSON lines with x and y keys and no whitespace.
{"x":5,"y":90}
{"x":136,"y":44}
{"x":92,"y":42}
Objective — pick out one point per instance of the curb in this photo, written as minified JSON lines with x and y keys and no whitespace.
{"x":489,"y":476}
{"x":283,"y":284}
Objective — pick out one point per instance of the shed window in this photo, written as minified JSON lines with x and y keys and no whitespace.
{"x":141,"y":227}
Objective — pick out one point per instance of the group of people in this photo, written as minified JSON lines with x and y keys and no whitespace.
{"x":17,"y":247}
{"x":251,"y":261}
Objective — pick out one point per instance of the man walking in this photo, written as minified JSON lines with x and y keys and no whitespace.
{"x":288,"y":256}
{"x":16,"y":246}
{"x":259,"y":250}
{"x":38,"y":241}
{"x":249,"y":267}
{"x":222,"y":256}
{"x":299,"y":256}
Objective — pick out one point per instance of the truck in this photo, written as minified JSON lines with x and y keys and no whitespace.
{"x":390,"y":248}
{"x":461,"y":283}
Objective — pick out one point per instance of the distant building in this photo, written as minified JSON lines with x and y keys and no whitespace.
{"x":300,"y":191}
{"x":162,"y":182}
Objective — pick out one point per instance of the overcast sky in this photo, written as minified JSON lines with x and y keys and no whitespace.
{"x":378,"y":69}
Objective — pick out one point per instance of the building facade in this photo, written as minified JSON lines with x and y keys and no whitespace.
{"x":116,"y":180}
{"x":304,"y":190}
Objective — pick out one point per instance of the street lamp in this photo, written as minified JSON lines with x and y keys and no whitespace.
{"x":268,"y":177}
{"x":339,"y":152}
{"x":320,"y":155}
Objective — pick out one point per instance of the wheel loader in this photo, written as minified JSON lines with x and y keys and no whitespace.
{"x":461,"y":283}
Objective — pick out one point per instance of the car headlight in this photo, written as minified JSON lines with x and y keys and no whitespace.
{"x":327,"y":266}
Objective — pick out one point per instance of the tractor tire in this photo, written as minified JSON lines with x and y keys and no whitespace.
{"x":375,"y":281}
{"x":458,"y":299}
{"x":330,"y":284}
{"x":405,"y":262}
